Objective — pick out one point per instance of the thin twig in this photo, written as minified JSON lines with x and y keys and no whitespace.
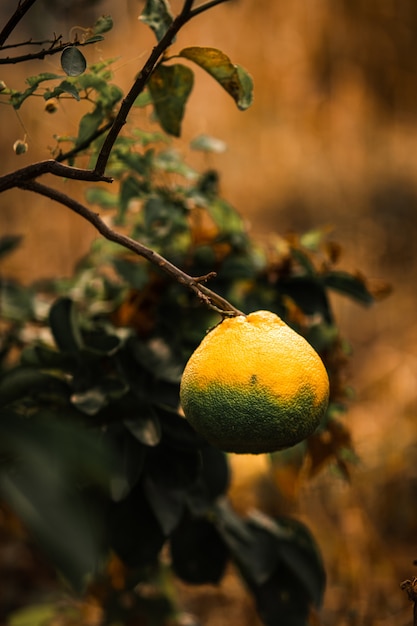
{"x":31,"y":56}
{"x":50,"y":166}
{"x":206,"y":7}
{"x":31,"y":42}
{"x":210,"y":298}
{"x":22,"y":8}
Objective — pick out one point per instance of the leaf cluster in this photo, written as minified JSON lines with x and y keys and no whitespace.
{"x":100,"y":372}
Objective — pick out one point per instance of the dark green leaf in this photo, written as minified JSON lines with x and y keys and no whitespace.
{"x":42,"y":487}
{"x":234,"y":79}
{"x":199,"y":555}
{"x":170,"y":87}
{"x":252,"y":550}
{"x":215,"y":473}
{"x":34,"y":81}
{"x":298,"y":550}
{"x":73,"y":61}
{"x":89,"y":124}
{"x":130,"y":189}
{"x":135,"y":533}
{"x":143,"y":99}
{"x":8,"y":243}
{"x":177,"y":431}
{"x":349,"y":285}
{"x":64,"y":87}
{"x":157,"y":15}
{"x":64,"y":326}
{"x":130,"y":458}
{"x":146,"y":428}
{"x":280,"y":600}
{"x":133,"y":273}
{"x":309,"y":294}
{"x":16,"y":301}
{"x":101,"y":343}
{"x":94,"y":39}
{"x":103,"y":24}
{"x":158,"y":358}
{"x":166,"y":502}
{"x":104,"y":198}
{"x":23,"y":382}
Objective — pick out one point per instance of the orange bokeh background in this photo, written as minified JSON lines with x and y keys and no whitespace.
{"x":330,"y":142}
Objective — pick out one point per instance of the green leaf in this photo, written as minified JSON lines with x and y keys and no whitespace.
{"x":143,"y":99}
{"x":199,"y":555}
{"x":130,"y":189}
{"x":158,"y":358}
{"x":94,"y":39}
{"x":157,"y":15}
{"x":104,"y":198}
{"x":309,"y":293}
{"x":89,"y":124}
{"x":16,"y":301}
{"x":22,"y":382}
{"x":73,"y":61}
{"x":146,"y":428}
{"x":170,"y":87}
{"x":8,"y":243}
{"x":42,"y":487}
{"x":103,"y":24}
{"x":64,"y":326}
{"x":135,"y":533}
{"x":205,"y":143}
{"x":34,"y":81}
{"x":349,"y":285}
{"x":64,"y":87}
{"x":252,"y":551}
{"x":130,"y":457}
{"x":234,"y":79}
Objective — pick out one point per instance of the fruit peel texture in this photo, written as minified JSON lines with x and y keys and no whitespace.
{"x":254,"y":385}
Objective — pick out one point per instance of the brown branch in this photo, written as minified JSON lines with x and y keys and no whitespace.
{"x":31,"y":56}
{"x":209,"y":297}
{"x":19,"y":177}
{"x":184,"y":16}
{"x":22,"y":8}
{"x":31,"y":42}
{"x":206,"y":6}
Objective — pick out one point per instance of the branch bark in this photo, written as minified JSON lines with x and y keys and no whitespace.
{"x":22,"y":8}
{"x":206,"y":295}
{"x":50,"y":166}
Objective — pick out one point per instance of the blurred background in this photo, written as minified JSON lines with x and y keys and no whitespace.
{"x":329,"y":143}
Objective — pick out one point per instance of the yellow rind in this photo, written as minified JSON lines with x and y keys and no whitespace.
{"x":254,"y":385}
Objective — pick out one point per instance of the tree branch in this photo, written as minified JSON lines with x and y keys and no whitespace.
{"x":19,"y":177}
{"x":206,"y":7}
{"x":42,"y":53}
{"x":22,"y":8}
{"x":210,"y":298}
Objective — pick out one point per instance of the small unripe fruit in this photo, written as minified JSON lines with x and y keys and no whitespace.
{"x":20,"y":146}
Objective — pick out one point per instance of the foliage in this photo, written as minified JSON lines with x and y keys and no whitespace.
{"x":96,"y":458}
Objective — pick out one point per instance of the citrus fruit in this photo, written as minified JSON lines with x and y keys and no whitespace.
{"x":254,"y":385}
